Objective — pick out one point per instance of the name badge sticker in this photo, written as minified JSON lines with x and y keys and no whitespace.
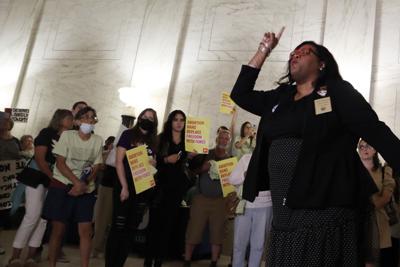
{"x":322,"y":105}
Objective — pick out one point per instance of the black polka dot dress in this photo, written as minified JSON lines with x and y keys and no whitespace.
{"x":305,"y":237}
{"x":302,"y":237}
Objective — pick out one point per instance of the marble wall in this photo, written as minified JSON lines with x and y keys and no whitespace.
{"x":222,"y":35}
{"x":385,"y":79}
{"x":182,"y":54}
{"x":349,"y":35}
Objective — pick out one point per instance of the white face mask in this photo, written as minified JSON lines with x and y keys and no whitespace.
{"x":86,"y":128}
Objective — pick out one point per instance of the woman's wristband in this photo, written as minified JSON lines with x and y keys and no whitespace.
{"x":262,"y":53}
{"x":264,"y":48}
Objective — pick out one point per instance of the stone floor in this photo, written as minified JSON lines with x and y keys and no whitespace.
{"x":72,"y":252}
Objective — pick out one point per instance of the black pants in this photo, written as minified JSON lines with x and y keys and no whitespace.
{"x":395,"y":247}
{"x":389,"y":256}
{"x":124,"y":223}
{"x":163,"y":218}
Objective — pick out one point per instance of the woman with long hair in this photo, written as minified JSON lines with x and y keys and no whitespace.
{"x":125,"y":201}
{"x":306,"y":155}
{"x":246,"y":142}
{"x":172,"y":183}
{"x":32,"y":227}
{"x":383,"y":179}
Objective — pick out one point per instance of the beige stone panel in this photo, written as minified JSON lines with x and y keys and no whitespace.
{"x":222,"y":35}
{"x":349,"y":35}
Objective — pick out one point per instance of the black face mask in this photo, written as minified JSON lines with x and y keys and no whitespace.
{"x":146,"y":125}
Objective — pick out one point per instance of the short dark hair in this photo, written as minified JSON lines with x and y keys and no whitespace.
{"x":6,"y":123}
{"x":78,"y":103}
{"x":83,"y":111}
{"x":109,"y":140}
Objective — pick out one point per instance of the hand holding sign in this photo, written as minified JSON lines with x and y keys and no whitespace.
{"x":142,"y":172}
{"x":197,"y":134}
{"x":227,"y":105}
{"x":8,"y":182}
{"x":173,"y":158}
{"x":225,"y":168}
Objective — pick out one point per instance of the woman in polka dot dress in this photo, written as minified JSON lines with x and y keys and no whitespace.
{"x":306,"y":155}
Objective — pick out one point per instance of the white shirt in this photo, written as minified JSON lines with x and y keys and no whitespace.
{"x":113,"y":153}
{"x":237,"y":178}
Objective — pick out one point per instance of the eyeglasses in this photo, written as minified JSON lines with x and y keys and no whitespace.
{"x":302,"y":52}
{"x":366,"y":146}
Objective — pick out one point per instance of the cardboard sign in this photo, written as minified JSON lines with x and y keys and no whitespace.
{"x":227,"y":105}
{"x":225,"y":168}
{"x":8,"y":182}
{"x":197,"y":135}
{"x":140,"y":168}
{"x":18,"y":114}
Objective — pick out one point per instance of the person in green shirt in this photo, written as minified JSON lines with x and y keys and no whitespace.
{"x":246,"y":142}
{"x":71,"y":192}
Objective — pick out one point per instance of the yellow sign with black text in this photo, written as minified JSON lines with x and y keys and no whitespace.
{"x":139,"y":164}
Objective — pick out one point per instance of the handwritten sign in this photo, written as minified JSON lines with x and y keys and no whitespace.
{"x":18,"y":114}
{"x":140,"y":168}
{"x":225,"y":168}
{"x":8,"y":182}
{"x":197,"y":135}
{"x":227,"y":105}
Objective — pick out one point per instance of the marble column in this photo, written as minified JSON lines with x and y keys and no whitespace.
{"x":17,"y":36}
{"x":349,"y":35}
{"x":156,"y":54}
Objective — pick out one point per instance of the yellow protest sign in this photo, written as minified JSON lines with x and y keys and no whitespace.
{"x":227,"y":105}
{"x":140,"y":168}
{"x":225,"y":168}
{"x":197,"y":135}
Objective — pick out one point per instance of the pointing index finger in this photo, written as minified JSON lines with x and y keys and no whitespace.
{"x":278,"y":36}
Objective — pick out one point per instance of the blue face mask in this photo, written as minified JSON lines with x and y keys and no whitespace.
{"x":86,"y":128}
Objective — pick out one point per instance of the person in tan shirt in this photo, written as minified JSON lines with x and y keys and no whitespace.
{"x":386,"y":185}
